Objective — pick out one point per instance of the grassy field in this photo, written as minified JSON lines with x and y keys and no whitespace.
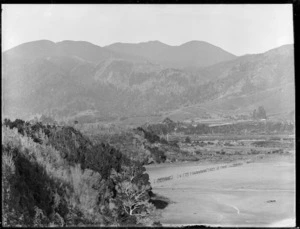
{"x":232,"y":137}
{"x":228,"y":148}
{"x":261,"y":193}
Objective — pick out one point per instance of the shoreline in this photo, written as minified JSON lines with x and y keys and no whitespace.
{"x":207,"y":199}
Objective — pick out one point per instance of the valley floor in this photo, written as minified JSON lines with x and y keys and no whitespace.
{"x":261,"y":193}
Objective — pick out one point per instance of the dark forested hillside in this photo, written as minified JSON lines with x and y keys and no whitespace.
{"x":54,"y":176}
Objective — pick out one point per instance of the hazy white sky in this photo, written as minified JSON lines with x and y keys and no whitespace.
{"x":239,"y":29}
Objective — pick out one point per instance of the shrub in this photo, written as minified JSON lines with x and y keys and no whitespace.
{"x":54,"y":176}
{"x":187,"y":140}
{"x":150,"y":136}
{"x":157,"y":154}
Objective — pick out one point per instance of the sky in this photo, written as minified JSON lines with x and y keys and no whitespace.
{"x":239,"y":29}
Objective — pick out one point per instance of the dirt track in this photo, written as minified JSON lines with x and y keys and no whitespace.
{"x":255,"y":194}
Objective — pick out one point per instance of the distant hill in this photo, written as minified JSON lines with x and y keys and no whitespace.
{"x":78,"y":80}
{"x":243,"y":84}
{"x":44,"y":48}
{"x":190,"y":54}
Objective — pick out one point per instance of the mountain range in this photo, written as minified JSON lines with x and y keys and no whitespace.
{"x":82,"y":81}
{"x":190,"y":54}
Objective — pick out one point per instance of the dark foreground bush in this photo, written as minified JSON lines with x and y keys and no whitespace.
{"x":53,"y":175}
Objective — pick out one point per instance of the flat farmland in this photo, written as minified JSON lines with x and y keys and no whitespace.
{"x":261,"y":193}
{"x":244,"y":137}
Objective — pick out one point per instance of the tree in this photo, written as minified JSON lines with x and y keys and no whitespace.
{"x":132,"y":196}
{"x":168,"y":121}
{"x":254,"y":115}
{"x":187,"y":139}
{"x":157,"y":154}
{"x":261,"y":113}
{"x":135,"y":199}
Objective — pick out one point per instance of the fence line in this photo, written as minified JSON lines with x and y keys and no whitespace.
{"x":187,"y":174}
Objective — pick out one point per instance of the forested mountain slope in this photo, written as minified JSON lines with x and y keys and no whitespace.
{"x":89,"y":83}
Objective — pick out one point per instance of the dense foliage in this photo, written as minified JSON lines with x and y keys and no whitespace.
{"x":53,"y":175}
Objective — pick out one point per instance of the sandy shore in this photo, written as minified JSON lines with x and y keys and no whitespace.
{"x":255,"y":194}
